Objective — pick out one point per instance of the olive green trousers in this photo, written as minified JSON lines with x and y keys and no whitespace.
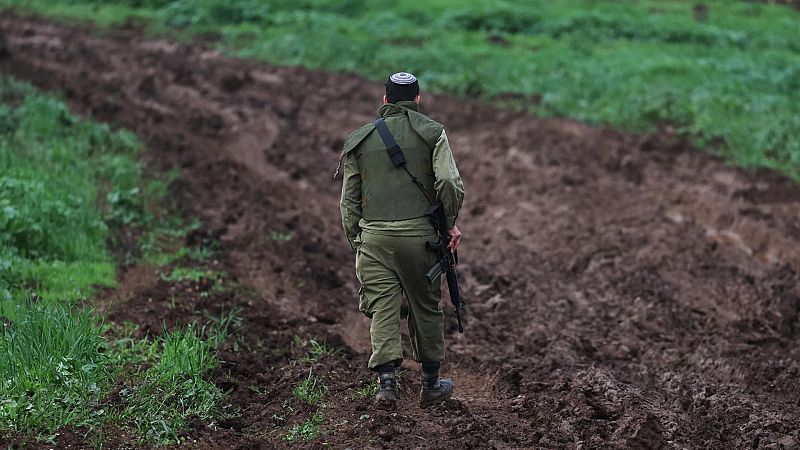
{"x":390,"y":267}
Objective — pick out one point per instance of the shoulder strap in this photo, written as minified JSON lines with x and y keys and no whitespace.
{"x":394,"y":151}
{"x":396,"y":154}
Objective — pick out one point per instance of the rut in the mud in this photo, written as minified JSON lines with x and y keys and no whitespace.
{"x":623,"y":290}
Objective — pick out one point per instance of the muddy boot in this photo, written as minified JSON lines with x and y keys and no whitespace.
{"x":434,"y":390}
{"x":386,"y":398}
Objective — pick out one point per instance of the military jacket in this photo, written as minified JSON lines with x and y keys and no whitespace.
{"x":380,"y":198}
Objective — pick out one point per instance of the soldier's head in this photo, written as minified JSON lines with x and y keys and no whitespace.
{"x":401,"y":86}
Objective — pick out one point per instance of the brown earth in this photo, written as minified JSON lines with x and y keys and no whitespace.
{"x":624,"y":290}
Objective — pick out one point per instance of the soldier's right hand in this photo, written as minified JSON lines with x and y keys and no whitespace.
{"x":455,"y":238}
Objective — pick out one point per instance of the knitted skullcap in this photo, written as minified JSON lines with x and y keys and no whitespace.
{"x":401,"y":86}
{"x":403,"y":78}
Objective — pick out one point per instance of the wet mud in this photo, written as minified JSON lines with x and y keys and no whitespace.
{"x":624,"y":290}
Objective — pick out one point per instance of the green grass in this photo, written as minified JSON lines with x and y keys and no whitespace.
{"x":56,"y":367}
{"x":314,"y":349}
{"x":53,"y":369}
{"x":728,"y":77}
{"x":306,"y":431}
{"x":191,"y":274}
{"x":175,"y":388}
{"x":63,"y":183}
{"x":311,"y":389}
{"x":368,"y":389}
{"x":68,"y":188}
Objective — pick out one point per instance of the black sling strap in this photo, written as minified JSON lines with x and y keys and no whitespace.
{"x":396,"y":154}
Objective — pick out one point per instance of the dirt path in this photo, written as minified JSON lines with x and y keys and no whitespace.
{"x":623,"y":290}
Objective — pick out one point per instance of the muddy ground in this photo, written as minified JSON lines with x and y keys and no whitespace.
{"x":623,"y":290}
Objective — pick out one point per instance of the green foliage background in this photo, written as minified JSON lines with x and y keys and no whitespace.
{"x":726,"y":73}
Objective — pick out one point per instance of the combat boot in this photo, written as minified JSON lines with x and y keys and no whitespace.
{"x":386,"y":398}
{"x":434,"y":390}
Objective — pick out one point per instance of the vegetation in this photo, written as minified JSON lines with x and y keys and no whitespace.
{"x":57,"y":367}
{"x":368,"y":390}
{"x":63,"y":183}
{"x":309,"y":395}
{"x":314,"y":349}
{"x":724,"y":73}
{"x":53,"y":369}
{"x":311,"y":390}
{"x":306,"y":431}
{"x":175,"y":388}
{"x":68,"y":187}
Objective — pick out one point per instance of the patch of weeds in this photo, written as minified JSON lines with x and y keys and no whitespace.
{"x":279,"y":236}
{"x":311,"y":390}
{"x":53,"y":369}
{"x":127,"y":351}
{"x":221,"y":327}
{"x":307,"y":430}
{"x":201,"y":253}
{"x":68,"y":188}
{"x":280,"y":418}
{"x":401,"y":375}
{"x":205,"y":280}
{"x":316,"y":349}
{"x":163,"y":243}
{"x":175,"y":388}
{"x":367,"y":390}
{"x":179,"y":274}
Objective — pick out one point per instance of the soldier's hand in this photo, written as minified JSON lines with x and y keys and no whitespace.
{"x":455,"y":238}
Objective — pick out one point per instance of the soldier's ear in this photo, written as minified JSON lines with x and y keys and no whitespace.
{"x":385,"y":100}
{"x":418,"y":98}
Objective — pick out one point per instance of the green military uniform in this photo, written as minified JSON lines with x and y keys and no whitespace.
{"x":384,"y":218}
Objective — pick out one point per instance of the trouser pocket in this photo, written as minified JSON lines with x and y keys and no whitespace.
{"x":363,"y":302}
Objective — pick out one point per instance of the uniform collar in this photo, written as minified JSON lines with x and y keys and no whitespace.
{"x":391,"y":109}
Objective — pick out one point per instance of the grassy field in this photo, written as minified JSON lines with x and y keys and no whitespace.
{"x":52,"y":232}
{"x":67,"y":188}
{"x":726,"y":73}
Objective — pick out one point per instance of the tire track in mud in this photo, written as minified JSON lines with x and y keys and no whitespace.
{"x":624,"y":290}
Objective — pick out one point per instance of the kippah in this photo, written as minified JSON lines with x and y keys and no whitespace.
{"x":403,"y":78}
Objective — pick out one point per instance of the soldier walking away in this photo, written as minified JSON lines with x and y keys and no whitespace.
{"x":387,"y":193}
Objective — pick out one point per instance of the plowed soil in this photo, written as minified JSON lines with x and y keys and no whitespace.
{"x":624,"y":290}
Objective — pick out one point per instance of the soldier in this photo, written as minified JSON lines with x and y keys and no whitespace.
{"x":384,"y":218}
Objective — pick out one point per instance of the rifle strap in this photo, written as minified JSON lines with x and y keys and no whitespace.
{"x":396,"y":155}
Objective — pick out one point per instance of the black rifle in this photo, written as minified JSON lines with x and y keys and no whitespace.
{"x":446,"y":260}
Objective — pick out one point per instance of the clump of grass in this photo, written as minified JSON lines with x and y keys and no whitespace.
{"x":368,"y":389}
{"x":279,"y":236}
{"x":307,"y":430}
{"x":176,"y":387}
{"x":163,"y":244}
{"x":191,"y":274}
{"x":53,"y":369}
{"x":311,"y":390}
{"x":314,"y":349}
{"x":56,"y":366}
